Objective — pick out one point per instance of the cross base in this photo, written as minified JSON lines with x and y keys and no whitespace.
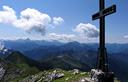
{"x":100,"y":76}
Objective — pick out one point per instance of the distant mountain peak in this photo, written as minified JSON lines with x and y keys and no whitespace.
{"x":28,"y":39}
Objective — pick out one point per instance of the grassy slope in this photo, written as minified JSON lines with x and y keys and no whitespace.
{"x":24,"y":64}
{"x":17,"y":61}
{"x":70,"y":77}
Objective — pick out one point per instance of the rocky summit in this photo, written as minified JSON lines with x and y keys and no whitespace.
{"x":2,"y":71}
{"x":58,"y":75}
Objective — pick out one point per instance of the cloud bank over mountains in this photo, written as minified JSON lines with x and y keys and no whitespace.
{"x":33,"y":20}
{"x":61,"y":37}
{"x":83,"y":32}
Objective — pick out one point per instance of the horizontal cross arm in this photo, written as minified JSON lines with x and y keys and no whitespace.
{"x":96,"y":16}
{"x":104,"y":12}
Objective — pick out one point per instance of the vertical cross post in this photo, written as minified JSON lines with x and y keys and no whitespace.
{"x":102,"y":52}
{"x":102,"y":59}
{"x":102,"y":73}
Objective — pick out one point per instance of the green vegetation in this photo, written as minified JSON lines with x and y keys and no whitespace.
{"x":20,"y":68}
{"x":70,"y":77}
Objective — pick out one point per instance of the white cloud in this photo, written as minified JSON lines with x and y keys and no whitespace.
{"x":7,"y":15}
{"x":126,"y":36}
{"x":31,"y":19}
{"x":61,"y":37}
{"x":34,"y":20}
{"x":87,"y":30}
{"x":57,"y":20}
{"x":86,"y":33}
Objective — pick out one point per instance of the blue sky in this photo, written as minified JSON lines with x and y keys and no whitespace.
{"x":73,"y":16}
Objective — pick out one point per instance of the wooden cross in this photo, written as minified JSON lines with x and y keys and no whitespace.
{"x":102,"y":64}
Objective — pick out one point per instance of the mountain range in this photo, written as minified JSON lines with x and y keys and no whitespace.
{"x":45,"y":55}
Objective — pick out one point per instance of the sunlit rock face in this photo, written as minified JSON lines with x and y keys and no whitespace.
{"x":2,"y":71}
{"x":4,"y":52}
